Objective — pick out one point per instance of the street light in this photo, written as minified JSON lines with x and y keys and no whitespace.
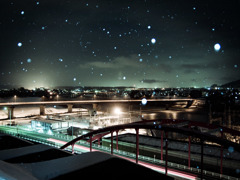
{"x":117,"y":111}
{"x":144,"y":101}
{"x":15,"y":98}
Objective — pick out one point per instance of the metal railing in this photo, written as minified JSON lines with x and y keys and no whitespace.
{"x":18,"y":133}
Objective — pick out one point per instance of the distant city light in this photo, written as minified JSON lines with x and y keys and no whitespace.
{"x":117,"y":111}
{"x":149,"y":27}
{"x":217,"y":47}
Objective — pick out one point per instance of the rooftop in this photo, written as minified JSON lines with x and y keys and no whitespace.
{"x":20,"y":159}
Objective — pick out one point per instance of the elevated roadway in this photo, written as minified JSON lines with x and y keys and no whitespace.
{"x":42,"y":104}
{"x":92,"y":102}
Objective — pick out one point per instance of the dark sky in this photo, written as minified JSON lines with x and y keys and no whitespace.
{"x":142,"y":43}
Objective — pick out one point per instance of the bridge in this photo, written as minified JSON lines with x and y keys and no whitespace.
{"x":11,"y":105}
{"x":166,"y":126}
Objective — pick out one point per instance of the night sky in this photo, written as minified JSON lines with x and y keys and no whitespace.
{"x":141,"y":43}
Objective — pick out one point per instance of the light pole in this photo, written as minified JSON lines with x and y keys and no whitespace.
{"x":143,"y":103}
{"x":15,"y":98}
{"x":8,"y":113}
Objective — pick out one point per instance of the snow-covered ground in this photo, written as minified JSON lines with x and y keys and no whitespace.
{"x":33,"y":111}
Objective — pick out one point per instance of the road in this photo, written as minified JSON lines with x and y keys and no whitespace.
{"x":90,"y":102}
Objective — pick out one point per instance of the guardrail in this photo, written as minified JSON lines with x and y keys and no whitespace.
{"x":162,"y":163}
{"x":18,"y":133}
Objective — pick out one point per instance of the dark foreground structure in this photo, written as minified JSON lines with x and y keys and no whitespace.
{"x":24,"y":160}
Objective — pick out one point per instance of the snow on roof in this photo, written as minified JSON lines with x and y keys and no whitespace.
{"x":12,"y":153}
{"x":53,"y":168}
{"x":12,"y":172}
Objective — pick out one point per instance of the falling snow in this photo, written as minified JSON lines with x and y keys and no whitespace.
{"x":153,"y":40}
{"x":134,"y":43}
{"x":19,"y":44}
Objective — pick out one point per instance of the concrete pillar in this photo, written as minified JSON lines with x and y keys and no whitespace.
{"x":95,"y":107}
{"x":70,"y":108}
{"x":42,"y":109}
{"x":11,"y":112}
{"x":167,"y":106}
{"x":93,"y":112}
{"x":189,"y":104}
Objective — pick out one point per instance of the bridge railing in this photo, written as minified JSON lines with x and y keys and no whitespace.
{"x":162,"y":162}
{"x":157,"y":161}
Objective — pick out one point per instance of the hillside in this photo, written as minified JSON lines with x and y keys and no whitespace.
{"x":233,"y":84}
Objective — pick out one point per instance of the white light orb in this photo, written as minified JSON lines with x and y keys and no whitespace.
{"x":29,"y":60}
{"x":153,"y":40}
{"x":19,"y":44}
{"x":144,"y":101}
{"x":217,"y":47}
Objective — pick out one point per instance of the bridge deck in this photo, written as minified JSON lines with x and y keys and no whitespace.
{"x":90,"y":102}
